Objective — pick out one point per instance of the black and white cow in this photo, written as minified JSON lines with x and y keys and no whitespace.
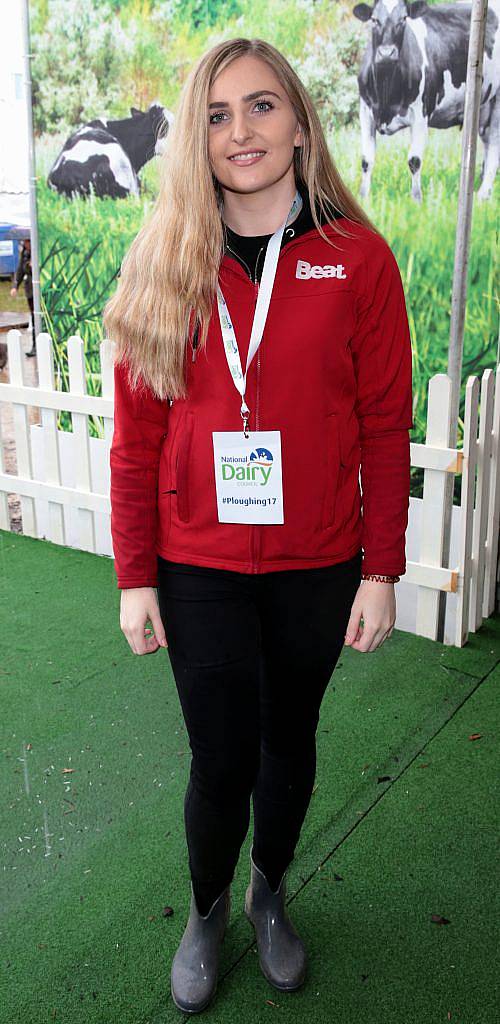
{"x":413,"y":75}
{"x":105,"y":156}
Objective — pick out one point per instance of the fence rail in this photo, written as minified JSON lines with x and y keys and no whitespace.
{"x":62,"y":481}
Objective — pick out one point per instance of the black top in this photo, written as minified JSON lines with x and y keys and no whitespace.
{"x":248,"y":247}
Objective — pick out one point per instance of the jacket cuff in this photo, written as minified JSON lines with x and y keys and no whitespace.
{"x":381,"y":572}
{"x":134,"y":584}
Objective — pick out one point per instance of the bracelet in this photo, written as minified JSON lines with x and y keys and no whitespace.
{"x":381,"y":579}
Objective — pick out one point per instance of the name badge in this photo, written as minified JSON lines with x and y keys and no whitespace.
{"x":248,"y":476}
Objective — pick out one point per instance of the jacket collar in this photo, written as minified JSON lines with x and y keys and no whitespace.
{"x":302,"y":223}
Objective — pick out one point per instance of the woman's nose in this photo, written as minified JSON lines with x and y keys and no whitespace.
{"x":241,"y":129}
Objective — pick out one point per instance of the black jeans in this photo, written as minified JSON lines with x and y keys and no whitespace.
{"x":252,"y":656}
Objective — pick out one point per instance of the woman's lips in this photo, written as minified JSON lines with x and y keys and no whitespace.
{"x":245,"y":161}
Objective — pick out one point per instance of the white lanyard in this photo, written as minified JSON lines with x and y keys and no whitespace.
{"x":260,"y":314}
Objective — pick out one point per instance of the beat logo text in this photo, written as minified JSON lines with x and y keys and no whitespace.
{"x":305,"y":270}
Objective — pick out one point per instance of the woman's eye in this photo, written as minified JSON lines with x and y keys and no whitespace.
{"x":258,"y":104}
{"x":213,"y":116}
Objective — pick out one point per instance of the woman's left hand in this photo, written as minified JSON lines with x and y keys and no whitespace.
{"x":375,"y":603}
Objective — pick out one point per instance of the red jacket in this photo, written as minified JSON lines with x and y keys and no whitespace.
{"x":332,"y":373}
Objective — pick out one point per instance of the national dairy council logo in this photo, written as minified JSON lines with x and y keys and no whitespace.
{"x":254,"y":468}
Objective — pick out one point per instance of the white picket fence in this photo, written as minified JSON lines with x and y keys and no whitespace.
{"x":63,"y":484}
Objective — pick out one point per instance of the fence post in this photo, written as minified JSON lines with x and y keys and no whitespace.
{"x":433,"y":510}
{"x":107,"y":384}
{"x":469,"y":457}
{"x":482,"y":499}
{"x":52,"y":462}
{"x":78,"y":386}
{"x":21,"y":432}
{"x":493,"y":519}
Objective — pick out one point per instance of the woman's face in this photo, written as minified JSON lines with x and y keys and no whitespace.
{"x":264,"y":123}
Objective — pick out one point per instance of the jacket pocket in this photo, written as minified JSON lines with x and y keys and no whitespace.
{"x":333,"y":461}
{"x":182,"y":469}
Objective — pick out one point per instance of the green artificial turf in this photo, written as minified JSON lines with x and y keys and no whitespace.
{"x":401,"y":825}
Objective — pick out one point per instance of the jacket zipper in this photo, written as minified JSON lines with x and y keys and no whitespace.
{"x":256,"y":533}
{"x":256,"y":285}
{"x":255,"y":529}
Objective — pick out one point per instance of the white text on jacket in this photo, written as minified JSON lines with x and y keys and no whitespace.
{"x":304,"y":270}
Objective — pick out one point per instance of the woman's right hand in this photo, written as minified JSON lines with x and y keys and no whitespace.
{"x":137,"y":606}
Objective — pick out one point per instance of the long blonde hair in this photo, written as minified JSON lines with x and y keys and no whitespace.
{"x":169,"y":274}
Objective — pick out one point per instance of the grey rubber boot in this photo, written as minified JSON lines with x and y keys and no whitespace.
{"x":282,"y":954}
{"x":193,"y":980}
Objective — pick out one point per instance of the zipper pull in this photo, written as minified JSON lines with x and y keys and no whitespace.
{"x":195,"y":340}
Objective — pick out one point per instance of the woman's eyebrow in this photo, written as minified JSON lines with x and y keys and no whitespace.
{"x":251,"y":96}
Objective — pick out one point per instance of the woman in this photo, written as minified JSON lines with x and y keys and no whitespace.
{"x":235,"y":480}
